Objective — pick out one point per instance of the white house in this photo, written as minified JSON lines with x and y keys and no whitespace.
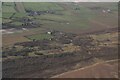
{"x":108,"y":10}
{"x":103,"y":11}
{"x":49,"y":32}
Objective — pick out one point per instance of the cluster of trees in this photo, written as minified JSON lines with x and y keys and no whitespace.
{"x":33,"y":13}
{"x":25,"y":23}
{"x":62,"y":37}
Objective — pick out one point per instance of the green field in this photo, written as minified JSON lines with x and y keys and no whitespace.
{"x":40,"y":36}
{"x":8,"y":10}
{"x":41,"y":6}
{"x":66,"y":18}
{"x":6,"y":15}
{"x":20,"y":15}
{"x":17,"y":23}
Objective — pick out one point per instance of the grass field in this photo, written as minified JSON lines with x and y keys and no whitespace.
{"x":7,"y":15}
{"x":19,"y":15}
{"x":17,"y":23}
{"x":40,"y":36}
{"x":7,"y":10}
{"x":42,"y":6}
{"x":66,"y":18}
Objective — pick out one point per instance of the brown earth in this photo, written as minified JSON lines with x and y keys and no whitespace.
{"x":108,"y":69}
{"x":10,"y":39}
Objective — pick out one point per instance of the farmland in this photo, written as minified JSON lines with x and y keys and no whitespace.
{"x":41,"y":6}
{"x":40,"y":36}
{"x":48,"y":38}
{"x":70,"y":17}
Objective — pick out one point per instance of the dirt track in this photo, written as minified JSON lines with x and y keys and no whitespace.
{"x":108,"y":69}
{"x":20,"y":7}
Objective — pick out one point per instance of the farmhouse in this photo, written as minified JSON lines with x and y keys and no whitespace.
{"x":49,"y":32}
{"x":24,"y":29}
{"x":106,"y":11}
{"x":67,"y":23}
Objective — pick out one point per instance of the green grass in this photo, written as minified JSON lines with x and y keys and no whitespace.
{"x":77,"y":19}
{"x":17,"y":23}
{"x":66,"y":13}
{"x":8,"y":4}
{"x":41,"y":6}
{"x":40,"y":36}
{"x":55,"y":17}
{"x":20,"y":15}
{"x":8,"y":9}
{"x":6,"y":15}
{"x":6,"y":20}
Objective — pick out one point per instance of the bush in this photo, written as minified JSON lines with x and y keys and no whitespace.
{"x":38,"y":53}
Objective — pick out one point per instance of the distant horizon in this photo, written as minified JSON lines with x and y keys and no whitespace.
{"x":59,"y":0}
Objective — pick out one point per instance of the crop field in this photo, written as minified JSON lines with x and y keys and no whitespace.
{"x":45,"y":39}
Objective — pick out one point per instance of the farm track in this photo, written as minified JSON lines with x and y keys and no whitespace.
{"x":95,"y":68}
{"x":19,"y":7}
